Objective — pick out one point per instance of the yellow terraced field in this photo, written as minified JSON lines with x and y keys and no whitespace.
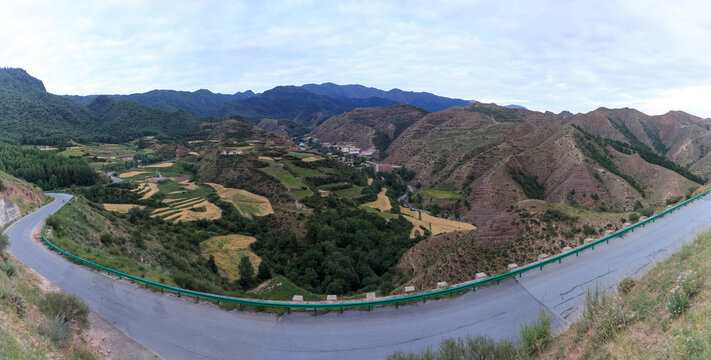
{"x":121,"y":208}
{"x":162,"y":165}
{"x":131,"y":174}
{"x":228,"y":250}
{"x":311,"y":159}
{"x":189,"y":185}
{"x":265,"y":158}
{"x":212,"y":212}
{"x":141,"y":187}
{"x":247,"y":203}
{"x":370,"y":181}
{"x":434,"y":224}
{"x":382,"y":203}
{"x":153,"y":189}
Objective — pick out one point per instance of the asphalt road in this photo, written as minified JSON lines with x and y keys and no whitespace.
{"x":178,"y":328}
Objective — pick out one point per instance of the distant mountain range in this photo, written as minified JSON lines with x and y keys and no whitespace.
{"x":329,"y":97}
{"x":199,"y":103}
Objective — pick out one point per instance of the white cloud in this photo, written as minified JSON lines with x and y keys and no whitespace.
{"x":548,"y":55}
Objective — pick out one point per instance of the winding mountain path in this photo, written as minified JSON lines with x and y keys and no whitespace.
{"x":180,"y":329}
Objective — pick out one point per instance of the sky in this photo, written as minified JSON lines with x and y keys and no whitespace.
{"x":546,"y":55}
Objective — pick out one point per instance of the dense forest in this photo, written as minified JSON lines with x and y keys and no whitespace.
{"x":345,"y":250}
{"x":45,"y":169}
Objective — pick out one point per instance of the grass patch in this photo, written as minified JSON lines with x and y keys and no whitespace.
{"x":442,"y":194}
{"x":664,"y":315}
{"x":300,"y":194}
{"x":288,"y":180}
{"x":350,"y":193}
{"x":282,"y":288}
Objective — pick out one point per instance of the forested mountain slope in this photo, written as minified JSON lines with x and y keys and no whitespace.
{"x":31,"y":115}
{"x":202,"y":102}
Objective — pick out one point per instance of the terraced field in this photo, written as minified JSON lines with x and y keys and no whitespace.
{"x":147,"y":190}
{"x":191,"y":209}
{"x":382,"y":203}
{"x":434,"y":224}
{"x":228,"y":250}
{"x":247,"y":203}
{"x":121,"y":208}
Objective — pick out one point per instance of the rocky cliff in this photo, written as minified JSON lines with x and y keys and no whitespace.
{"x":9,"y":212}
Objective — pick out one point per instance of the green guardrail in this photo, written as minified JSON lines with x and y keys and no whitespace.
{"x":369,"y":303}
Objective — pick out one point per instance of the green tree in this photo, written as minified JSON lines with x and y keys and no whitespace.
{"x":246,"y":272}
{"x":263,"y":272}
{"x":211,"y":264}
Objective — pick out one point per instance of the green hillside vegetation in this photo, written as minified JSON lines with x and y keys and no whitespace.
{"x":37,"y":325}
{"x":31,"y":115}
{"x":46,"y":169}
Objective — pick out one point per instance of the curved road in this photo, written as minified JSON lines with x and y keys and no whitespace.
{"x":180,"y":329}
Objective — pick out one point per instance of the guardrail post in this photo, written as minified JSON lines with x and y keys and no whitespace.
{"x":340,"y":310}
{"x":541,"y":267}
{"x":473,"y":288}
{"x":397,"y":305}
{"x":560,"y":261}
{"x":131,"y":281}
{"x":498,"y":281}
{"x":593,"y":247}
{"x":370,"y":307}
{"x":424,"y":300}
{"x":288,"y":310}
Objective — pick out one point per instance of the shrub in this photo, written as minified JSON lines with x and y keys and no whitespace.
{"x":69,"y":307}
{"x":4,"y":242}
{"x":647,"y":212}
{"x":604,"y":314}
{"x":536,"y":335}
{"x":479,"y":347}
{"x":625,"y":286}
{"x":674,"y":199}
{"x":634,"y":217}
{"x":17,"y":303}
{"x":57,"y":330}
{"x":678,"y":301}
{"x":690,"y":282}
{"x":589,"y":230}
{"x":8,"y":268}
